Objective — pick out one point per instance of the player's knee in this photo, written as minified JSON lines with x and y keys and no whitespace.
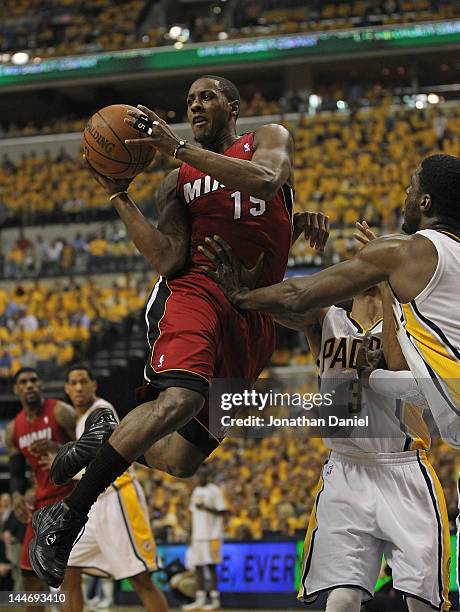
{"x":415,"y":605}
{"x":183,"y":470}
{"x":179,"y":405}
{"x":344,"y":599}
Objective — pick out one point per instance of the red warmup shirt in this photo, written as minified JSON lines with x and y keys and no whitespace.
{"x":42,"y":426}
{"x":251,"y":226}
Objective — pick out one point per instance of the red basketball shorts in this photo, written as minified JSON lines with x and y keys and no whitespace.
{"x":195,"y":334}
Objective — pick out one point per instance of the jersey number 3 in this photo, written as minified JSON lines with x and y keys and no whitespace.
{"x":255,"y":211}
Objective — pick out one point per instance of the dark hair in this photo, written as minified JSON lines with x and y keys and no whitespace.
{"x":23,"y":371}
{"x":440,"y":177}
{"x":79,"y":366}
{"x":229,"y":89}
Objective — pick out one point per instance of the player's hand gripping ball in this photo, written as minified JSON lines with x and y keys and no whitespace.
{"x":105,"y":148}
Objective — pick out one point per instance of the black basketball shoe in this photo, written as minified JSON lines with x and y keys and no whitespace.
{"x":74,"y":456}
{"x":57,"y":528}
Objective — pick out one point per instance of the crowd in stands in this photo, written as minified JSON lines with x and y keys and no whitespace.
{"x":49,"y":325}
{"x":47,"y":28}
{"x":44,"y":188}
{"x":251,"y":106}
{"x":101,"y":251}
{"x":254,"y":103}
{"x":270,"y":486}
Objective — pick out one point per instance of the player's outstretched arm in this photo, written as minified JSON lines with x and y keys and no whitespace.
{"x":166,"y":246}
{"x":393,"y":258}
{"x":262,"y":176}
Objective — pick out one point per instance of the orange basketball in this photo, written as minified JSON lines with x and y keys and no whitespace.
{"x":104,"y":144}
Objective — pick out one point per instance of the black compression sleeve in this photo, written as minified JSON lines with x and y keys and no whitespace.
{"x":18,"y":481}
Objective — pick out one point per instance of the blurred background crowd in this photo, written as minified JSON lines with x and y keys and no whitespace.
{"x":60,"y":27}
{"x":270,"y":486}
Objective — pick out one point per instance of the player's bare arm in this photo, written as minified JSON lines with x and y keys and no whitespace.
{"x":393,"y":355}
{"x":166,"y":246}
{"x":391,"y":258}
{"x":18,"y":482}
{"x":309,"y":323}
{"x":262,"y":176}
{"x":391,"y":348}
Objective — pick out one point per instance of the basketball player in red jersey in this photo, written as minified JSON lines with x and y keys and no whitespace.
{"x":242,"y":188}
{"x":40,"y":428}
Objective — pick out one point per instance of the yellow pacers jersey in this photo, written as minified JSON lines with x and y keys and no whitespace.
{"x":428,"y":330}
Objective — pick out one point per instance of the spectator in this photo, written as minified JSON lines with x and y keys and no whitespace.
{"x":208,"y":508}
{"x":14,"y":261}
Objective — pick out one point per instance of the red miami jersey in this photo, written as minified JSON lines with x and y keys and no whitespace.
{"x":250,"y":225}
{"x":42,"y":426}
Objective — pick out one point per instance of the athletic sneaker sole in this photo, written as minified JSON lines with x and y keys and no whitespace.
{"x":36,"y":565}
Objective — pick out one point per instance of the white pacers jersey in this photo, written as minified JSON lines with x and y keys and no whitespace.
{"x":428,"y":330}
{"x":80,"y":427}
{"x":99,"y":403}
{"x":393,"y":426}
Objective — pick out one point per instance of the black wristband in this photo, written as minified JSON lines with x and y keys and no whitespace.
{"x":179,"y":146}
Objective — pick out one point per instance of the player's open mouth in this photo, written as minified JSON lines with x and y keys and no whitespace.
{"x":199,"y":121}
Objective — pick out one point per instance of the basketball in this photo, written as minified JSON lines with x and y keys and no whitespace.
{"x":104,"y":144}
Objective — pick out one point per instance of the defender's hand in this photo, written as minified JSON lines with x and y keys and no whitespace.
{"x":365,"y":235}
{"x":43,"y":447}
{"x":315,"y":227}
{"x":229,"y":271}
{"x":162,"y":137}
{"x":367,"y":361}
{"x":110,"y":185}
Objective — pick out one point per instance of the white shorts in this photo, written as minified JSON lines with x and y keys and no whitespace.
{"x":392,"y":505}
{"x":205,"y":552}
{"x":117,"y":540}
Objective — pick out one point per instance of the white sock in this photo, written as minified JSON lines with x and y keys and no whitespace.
{"x":415,"y":605}
{"x":107,"y":588}
{"x":215,"y":596}
{"x":344,"y":599}
{"x":200,"y":597}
